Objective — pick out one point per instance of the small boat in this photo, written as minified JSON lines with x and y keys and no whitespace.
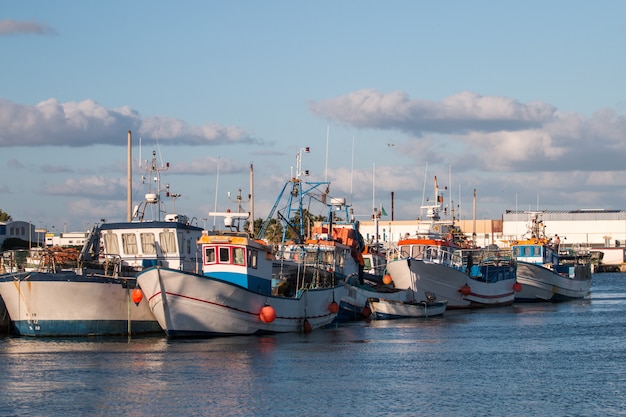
{"x":353,"y":304}
{"x":384,"y":309}
{"x":63,"y":292}
{"x":246,"y":285}
{"x":438,"y":261}
{"x":546,"y":270}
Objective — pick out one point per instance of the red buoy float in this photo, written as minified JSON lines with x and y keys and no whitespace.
{"x":387,"y":279}
{"x":136,"y":296}
{"x":366,"y":312}
{"x":267,"y":314}
{"x":466,"y":290}
{"x":333,"y":307}
{"x":517,"y":287}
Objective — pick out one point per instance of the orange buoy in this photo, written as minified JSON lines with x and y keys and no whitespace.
{"x":517,"y":287}
{"x":366,"y":311}
{"x":136,"y":296}
{"x":333,"y":307}
{"x":466,"y":290}
{"x":387,"y":279}
{"x":267,"y":314}
{"x":306,"y":326}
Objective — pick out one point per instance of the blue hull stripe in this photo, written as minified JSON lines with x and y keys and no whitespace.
{"x":63,"y":328}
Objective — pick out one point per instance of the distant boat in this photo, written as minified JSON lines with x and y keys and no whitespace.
{"x":437,"y":262}
{"x":248,"y":286}
{"x":548,"y":271}
{"x":48,"y":293}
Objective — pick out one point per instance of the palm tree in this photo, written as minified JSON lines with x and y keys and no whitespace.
{"x":5,"y":217}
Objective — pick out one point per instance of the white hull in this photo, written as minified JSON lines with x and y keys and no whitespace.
{"x":542,"y":284}
{"x":188,"y":305}
{"x":446,"y":284}
{"x":354,"y":300}
{"x":388,"y":309}
{"x":68,"y":304}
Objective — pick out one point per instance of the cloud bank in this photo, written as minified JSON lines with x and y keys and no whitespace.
{"x":494,"y":133}
{"x":87,"y":123}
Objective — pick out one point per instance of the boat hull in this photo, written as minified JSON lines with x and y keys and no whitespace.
{"x":543,"y":284}
{"x":353,"y":304}
{"x":447,"y":283}
{"x":69,"y":304}
{"x":192,"y":305}
{"x":388,"y":309}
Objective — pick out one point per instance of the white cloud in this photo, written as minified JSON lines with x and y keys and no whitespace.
{"x":12,"y":27}
{"x":88,"y":123}
{"x":461,"y":113}
{"x":95,"y":187}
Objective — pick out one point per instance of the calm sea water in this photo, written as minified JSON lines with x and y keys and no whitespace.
{"x":542,"y":359}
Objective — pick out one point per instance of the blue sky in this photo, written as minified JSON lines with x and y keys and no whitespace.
{"x":523,"y":101}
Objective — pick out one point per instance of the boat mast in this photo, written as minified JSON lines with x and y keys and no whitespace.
{"x":129,"y":185}
{"x":251,"y":199}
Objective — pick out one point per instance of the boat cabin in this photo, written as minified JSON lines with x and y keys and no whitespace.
{"x":237,"y":259}
{"x":139,"y":245}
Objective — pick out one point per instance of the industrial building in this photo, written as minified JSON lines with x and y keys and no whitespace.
{"x":592,"y":228}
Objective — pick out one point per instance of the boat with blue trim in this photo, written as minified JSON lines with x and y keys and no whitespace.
{"x":547,"y":270}
{"x":95,"y":293}
{"x":279,"y":282}
{"x":437,"y":260}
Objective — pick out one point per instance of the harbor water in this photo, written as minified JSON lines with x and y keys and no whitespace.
{"x":540,"y":359}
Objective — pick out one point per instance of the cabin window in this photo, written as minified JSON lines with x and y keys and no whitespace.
{"x":129,"y":243}
{"x":367,"y":264}
{"x":225,"y":255}
{"x":148,"y":243}
{"x":252,"y":258}
{"x":167,"y":241}
{"x":239,"y":256}
{"x":110,"y":244}
{"x":209,"y":255}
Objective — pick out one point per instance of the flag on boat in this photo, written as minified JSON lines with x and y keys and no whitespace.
{"x":382,"y":209}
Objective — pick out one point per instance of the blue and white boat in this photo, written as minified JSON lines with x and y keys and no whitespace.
{"x":96,"y":295}
{"x":547,"y":270}
{"x":435,"y":261}
{"x":285,"y":283}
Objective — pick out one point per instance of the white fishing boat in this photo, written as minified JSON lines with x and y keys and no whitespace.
{"x":384,"y":309}
{"x":435,"y":261}
{"x":48,"y":293}
{"x":548,"y":271}
{"x":245,"y":287}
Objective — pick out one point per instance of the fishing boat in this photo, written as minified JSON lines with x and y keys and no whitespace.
{"x":438,"y":261}
{"x":281,"y":281}
{"x":49,"y":292}
{"x":547,"y":270}
{"x":384,"y":309}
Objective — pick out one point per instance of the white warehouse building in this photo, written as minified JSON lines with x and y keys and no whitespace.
{"x":594,"y":228}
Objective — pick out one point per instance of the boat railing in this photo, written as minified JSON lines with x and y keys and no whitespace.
{"x":37,"y":259}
